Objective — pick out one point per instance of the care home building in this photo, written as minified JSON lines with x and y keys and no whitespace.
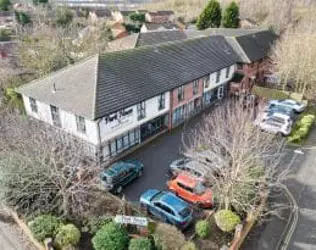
{"x":115,"y":101}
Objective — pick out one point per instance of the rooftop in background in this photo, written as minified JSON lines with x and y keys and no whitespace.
{"x":157,"y":26}
{"x":161,"y":13}
{"x":110,"y":82}
{"x":147,"y":38}
{"x":250,"y":44}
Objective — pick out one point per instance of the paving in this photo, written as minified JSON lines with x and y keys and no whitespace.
{"x":10,"y":236}
{"x":156,"y":157}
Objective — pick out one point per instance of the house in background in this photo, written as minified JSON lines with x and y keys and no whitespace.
{"x":121,"y":16}
{"x":7,"y":20}
{"x":99,"y":14}
{"x":253,"y":47}
{"x":115,"y":101}
{"x":166,"y":16}
{"x":148,"y":38}
{"x":118,"y":30}
{"x":147,"y":27}
{"x":247,"y":23}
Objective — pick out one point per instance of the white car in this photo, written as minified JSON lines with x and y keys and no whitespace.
{"x":277,"y":124}
{"x":296,"y":106}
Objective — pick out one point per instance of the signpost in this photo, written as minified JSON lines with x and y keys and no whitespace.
{"x":132,"y":220}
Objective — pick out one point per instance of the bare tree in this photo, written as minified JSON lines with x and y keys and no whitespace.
{"x":44,"y":171}
{"x":295,"y":54}
{"x":243,"y":163}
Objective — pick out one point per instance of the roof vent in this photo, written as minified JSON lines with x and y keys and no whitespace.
{"x":54,"y":88}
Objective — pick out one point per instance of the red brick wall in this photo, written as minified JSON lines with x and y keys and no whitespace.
{"x":188,"y":94}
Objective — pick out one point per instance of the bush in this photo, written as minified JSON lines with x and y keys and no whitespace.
{"x":93,"y":224}
{"x":167,"y":237}
{"x":226,"y":220}
{"x":68,"y":235}
{"x":189,"y":246}
{"x":231,"y":16}
{"x":140,"y":244}
{"x":111,"y":236}
{"x":44,"y":226}
{"x":202,"y":228}
{"x":301,"y":129}
{"x":211,"y":16}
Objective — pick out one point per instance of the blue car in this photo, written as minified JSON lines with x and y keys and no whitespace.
{"x":167,"y":207}
{"x":120,"y":174}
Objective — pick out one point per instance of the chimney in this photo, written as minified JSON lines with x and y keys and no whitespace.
{"x":54,"y":88}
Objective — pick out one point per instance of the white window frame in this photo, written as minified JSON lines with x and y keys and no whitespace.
{"x":180,"y":93}
{"x":33,"y":105}
{"x":195,"y":87}
{"x":161,"y":101}
{"x":55,"y":115}
{"x":81,"y":124}
{"x":141,"y":110}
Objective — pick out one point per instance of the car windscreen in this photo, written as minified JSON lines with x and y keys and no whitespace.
{"x":276,"y":121}
{"x":185,"y":212}
{"x":157,"y":196}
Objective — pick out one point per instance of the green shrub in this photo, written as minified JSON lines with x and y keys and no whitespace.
{"x":189,"y":246}
{"x":111,"y":236}
{"x":93,"y":224}
{"x":44,"y":226}
{"x":140,"y":244}
{"x":202,"y":228}
{"x":68,"y":235}
{"x":226,"y":220}
{"x":301,"y":129}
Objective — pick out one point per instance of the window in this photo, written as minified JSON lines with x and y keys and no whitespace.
{"x":55,"y":116}
{"x":33,"y":105}
{"x":206,"y":82}
{"x":141,"y":110}
{"x":185,"y":187}
{"x":227,"y":72}
{"x":195,"y":87}
{"x":161,"y":101}
{"x":218,"y":74}
{"x":239,"y":66}
{"x":81,"y":124}
{"x":180,"y":93}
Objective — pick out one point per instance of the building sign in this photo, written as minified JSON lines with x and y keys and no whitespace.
{"x":138,"y":221}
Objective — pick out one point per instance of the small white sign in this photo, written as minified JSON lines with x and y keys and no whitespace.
{"x":139,"y":221}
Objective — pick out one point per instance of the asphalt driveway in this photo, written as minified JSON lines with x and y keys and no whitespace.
{"x":156,"y":157}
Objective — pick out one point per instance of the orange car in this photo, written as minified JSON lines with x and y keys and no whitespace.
{"x":190,"y":189}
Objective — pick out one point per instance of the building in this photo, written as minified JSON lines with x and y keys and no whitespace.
{"x":247,"y":23}
{"x":148,"y":38}
{"x":253,"y":48}
{"x":7,"y":19}
{"x":122,"y":16}
{"x":96,"y":14}
{"x":115,"y":101}
{"x":165,"y":16}
{"x":147,"y":27}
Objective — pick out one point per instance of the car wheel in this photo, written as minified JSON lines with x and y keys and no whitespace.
{"x":119,"y":189}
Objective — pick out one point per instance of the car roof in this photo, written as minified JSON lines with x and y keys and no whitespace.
{"x":173,"y":201}
{"x":187,"y":180}
{"x":280,"y":115}
{"x":116,"y":168}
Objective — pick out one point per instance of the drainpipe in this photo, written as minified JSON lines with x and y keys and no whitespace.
{"x":99,"y":141}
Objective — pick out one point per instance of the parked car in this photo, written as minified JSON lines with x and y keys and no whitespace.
{"x":192,"y":190}
{"x":120,"y":174}
{"x":270,"y":110}
{"x":276,"y":124}
{"x":296,"y":106}
{"x":167,"y":207}
{"x":187,"y":165}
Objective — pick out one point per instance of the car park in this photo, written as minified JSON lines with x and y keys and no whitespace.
{"x":167,"y":207}
{"x":120,"y":174}
{"x":192,"y":190}
{"x":276,"y":124}
{"x":294,"y":105}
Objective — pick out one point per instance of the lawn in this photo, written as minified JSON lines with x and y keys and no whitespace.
{"x":275,"y":94}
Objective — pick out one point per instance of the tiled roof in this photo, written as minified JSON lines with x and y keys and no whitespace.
{"x":156,"y":26}
{"x":147,"y":38}
{"x":250,"y":44}
{"x":110,"y":82}
{"x":161,"y":13}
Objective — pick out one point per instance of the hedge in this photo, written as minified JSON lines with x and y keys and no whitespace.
{"x":44,"y":226}
{"x":301,"y":129}
{"x":68,"y":235}
{"x":202,"y":228}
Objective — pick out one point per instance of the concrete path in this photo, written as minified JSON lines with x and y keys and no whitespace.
{"x":10,"y":236}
